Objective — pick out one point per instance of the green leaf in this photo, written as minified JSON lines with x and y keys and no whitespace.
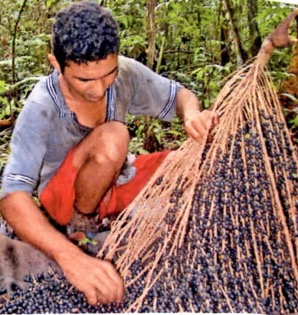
{"x":142,"y":151}
{"x":50,"y":3}
{"x":2,"y":86}
{"x":295,"y":121}
{"x":291,"y":97}
{"x":87,"y":241}
{"x":174,"y":132}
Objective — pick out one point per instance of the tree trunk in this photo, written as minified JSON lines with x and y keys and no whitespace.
{"x":288,"y":88}
{"x":151,"y":4}
{"x":224,"y":52}
{"x":242,"y":54}
{"x":150,"y":142}
{"x":224,"y":36}
{"x":255,"y":35}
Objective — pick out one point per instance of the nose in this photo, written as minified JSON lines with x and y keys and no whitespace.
{"x":98,"y":88}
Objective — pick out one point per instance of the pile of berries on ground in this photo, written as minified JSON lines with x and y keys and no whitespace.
{"x":214,"y":231}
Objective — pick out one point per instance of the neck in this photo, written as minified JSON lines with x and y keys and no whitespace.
{"x":89,"y":114}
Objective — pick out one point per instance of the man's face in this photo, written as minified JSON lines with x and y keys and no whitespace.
{"x":89,"y":82}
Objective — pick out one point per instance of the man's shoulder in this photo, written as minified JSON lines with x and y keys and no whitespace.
{"x":130,"y":65}
{"x":40,"y":109}
{"x":124,"y":61}
{"x":40,"y":90}
{"x":41,"y":96}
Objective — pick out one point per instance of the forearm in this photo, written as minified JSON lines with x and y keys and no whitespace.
{"x":100,"y":284}
{"x":187,"y":103}
{"x":32,"y":226}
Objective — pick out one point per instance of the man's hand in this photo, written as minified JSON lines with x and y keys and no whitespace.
{"x":97,"y":279}
{"x":198,"y":124}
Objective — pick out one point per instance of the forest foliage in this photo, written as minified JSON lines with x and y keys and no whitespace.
{"x":198,"y":43}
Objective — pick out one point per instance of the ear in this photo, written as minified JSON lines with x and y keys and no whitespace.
{"x":53,"y":61}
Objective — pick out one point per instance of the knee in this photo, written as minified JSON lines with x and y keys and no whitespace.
{"x":106,"y":143}
{"x":118,"y":130}
{"x":112,"y":147}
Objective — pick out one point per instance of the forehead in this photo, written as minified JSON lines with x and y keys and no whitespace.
{"x":99,"y":68}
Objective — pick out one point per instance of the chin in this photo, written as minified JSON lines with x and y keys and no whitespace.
{"x":93,"y":99}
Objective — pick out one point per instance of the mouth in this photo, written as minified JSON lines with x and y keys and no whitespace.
{"x":93,"y":98}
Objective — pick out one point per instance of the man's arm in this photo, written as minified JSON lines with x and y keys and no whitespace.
{"x":197,"y":123}
{"x":97,"y":279}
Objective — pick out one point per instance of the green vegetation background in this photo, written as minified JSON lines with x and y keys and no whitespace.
{"x":198,"y":43}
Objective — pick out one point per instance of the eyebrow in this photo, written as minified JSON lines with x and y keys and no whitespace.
{"x":105,"y":75}
{"x":112,"y":71}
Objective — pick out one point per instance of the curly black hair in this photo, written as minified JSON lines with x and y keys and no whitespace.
{"x":83,"y":32}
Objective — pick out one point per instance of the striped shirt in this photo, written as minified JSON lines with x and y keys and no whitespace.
{"x":46,"y":129}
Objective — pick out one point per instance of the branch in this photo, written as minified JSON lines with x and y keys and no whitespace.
{"x":6,"y":123}
{"x":178,"y":51}
{"x":16,"y":85}
{"x":161,"y":53}
{"x":14,"y":40}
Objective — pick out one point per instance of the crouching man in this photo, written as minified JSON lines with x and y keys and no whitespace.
{"x":70,"y":141}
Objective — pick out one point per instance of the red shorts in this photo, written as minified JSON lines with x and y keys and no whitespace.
{"x":59,"y":195}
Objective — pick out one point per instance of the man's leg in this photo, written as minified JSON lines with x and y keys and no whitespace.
{"x":99,"y":158}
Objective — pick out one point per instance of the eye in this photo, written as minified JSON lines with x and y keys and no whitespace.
{"x":84,"y":80}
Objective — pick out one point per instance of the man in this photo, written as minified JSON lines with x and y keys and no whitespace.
{"x":70,"y":141}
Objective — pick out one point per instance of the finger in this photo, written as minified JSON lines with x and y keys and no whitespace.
{"x":91,"y":296}
{"x":210,"y":120}
{"x":104,"y":289}
{"x":194,"y":134}
{"x":202,"y":122}
{"x":102,"y":300}
{"x":118,"y":282}
{"x":109,"y":283}
{"x":104,"y":296}
{"x":215,"y":119}
{"x":98,"y":289}
{"x":199,"y":128}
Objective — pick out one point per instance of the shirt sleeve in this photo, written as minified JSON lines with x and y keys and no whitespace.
{"x":28,"y":148}
{"x":148,"y":93}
